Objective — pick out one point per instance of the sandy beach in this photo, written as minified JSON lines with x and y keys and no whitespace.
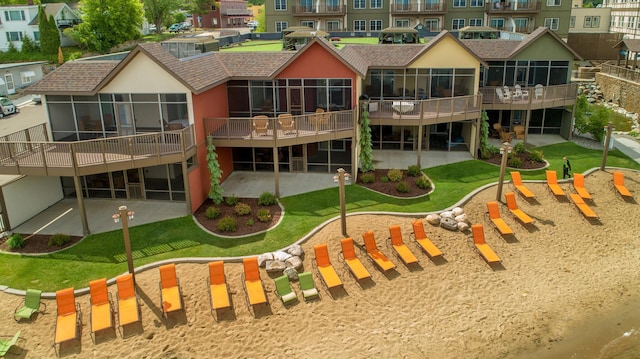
{"x":565,"y":289}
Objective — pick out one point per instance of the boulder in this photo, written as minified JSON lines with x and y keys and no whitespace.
{"x":461,"y":218}
{"x":275,"y":266}
{"x":293,"y":262}
{"x":263,"y":258}
{"x":463,"y":226}
{"x":295,"y":250}
{"x":457,"y":211}
{"x":446,"y":214}
{"x":433,"y":218}
{"x":291,"y":273}
{"x":449,"y":223}
{"x":281,"y":256}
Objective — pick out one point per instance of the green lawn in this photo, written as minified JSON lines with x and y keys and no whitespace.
{"x":102,"y":255}
{"x":276,"y":45}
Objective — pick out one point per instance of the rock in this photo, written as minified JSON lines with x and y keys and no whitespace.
{"x":281,"y":256}
{"x":433,"y":218}
{"x":291,"y":273}
{"x":263,"y":258}
{"x":275,"y":266}
{"x":461,"y":218}
{"x":295,"y":250}
{"x":457,"y":211}
{"x":449,"y":223}
{"x":463,"y":226}
{"x":293,"y":262}
{"x":446,"y":214}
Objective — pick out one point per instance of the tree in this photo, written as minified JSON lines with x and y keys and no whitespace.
{"x":28,"y":45}
{"x":158,"y":11}
{"x":591,"y":118}
{"x":262,"y":23}
{"x":366,"y":152}
{"x":215,"y":173}
{"x":49,"y":35}
{"x":484,"y":136}
{"x":107,"y":23}
{"x":198,"y":7}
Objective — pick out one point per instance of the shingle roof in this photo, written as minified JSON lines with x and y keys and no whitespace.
{"x":389,"y":55}
{"x":254,"y":64}
{"x":74,"y":77}
{"x":632,"y":45}
{"x":50,"y":9}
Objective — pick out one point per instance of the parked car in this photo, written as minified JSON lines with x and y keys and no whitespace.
{"x":253,"y":24}
{"x":7,"y":107}
{"x":176,"y":28}
{"x":186,"y":26}
{"x":153,"y":28}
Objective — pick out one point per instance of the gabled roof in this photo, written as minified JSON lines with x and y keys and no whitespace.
{"x":254,"y":64}
{"x":74,"y":77}
{"x":632,"y":45}
{"x":50,"y":9}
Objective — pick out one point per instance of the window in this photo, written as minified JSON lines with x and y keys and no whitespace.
{"x":572,"y":22}
{"x":14,"y":36}
{"x":333,"y":25}
{"x":475,"y":22}
{"x":281,"y":25}
{"x":375,"y":25}
{"x":631,"y":21}
{"x":376,"y":4}
{"x":360,"y":4}
{"x":308,"y":23}
{"x":402,"y":22}
{"x":551,"y":23}
{"x":554,"y":2}
{"x":476,"y":3}
{"x":14,"y":15}
{"x":459,"y":3}
{"x":595,"y":21}
{"x":457,"y":24}
{"x":522,"y":24}
{"x":36,"y":36}
{"x":280,"y":5}
{"x":620,"y":20}
{"x":432,"y":24}
{"x":360,"y":25}
{"x":27,"y":76}
{"x":497,"y":23}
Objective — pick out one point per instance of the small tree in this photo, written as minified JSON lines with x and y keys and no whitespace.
{"x":484,"y":135}
{"x":60,"y":56}
{"x":366,"y":152}
{"x":215,"y":173}
{"x":12,"y":48}
{"x":592,"y":124}
{"x":28,"y":45}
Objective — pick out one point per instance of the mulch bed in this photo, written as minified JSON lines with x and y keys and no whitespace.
{"x":389,"y":187}
{"x":524,"y":156}
{"x":241,"y":221}
{"x":37,"y":244}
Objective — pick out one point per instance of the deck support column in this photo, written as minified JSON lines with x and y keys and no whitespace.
{"x":276,"y":171}
{"x":527,"y":119}
{"x":79,"y":196}
{"x":185,"y":174}
{"x":420,"y":126}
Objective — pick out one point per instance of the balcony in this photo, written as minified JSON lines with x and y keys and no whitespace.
{"x":545,"y":97}
{"x":65,"y":23}
{"x":512,"y":7}
{"x":308,"y":128}
{"x":622,"y":72}
{"x":418,"y":8}
{"x":424,"y":112}
{"x":29,"y":152}
{"x":318,"y":10}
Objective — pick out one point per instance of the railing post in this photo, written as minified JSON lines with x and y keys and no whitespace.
{"x":157,"y":142}
{"x":130,"y":142}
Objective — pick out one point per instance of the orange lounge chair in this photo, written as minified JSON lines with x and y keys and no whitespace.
{"x":520,"y":187}
{"x":354,"y":265}
{"x":496,"y":219}
{"x":552,"y":182}
{"x":101,"y":306}
{"x":427,"y":246}
{"x":578,"y":184}
{"x":128,"y":308}
{"x":618,"y":183}
{"x":68,"y":317}
{"x":327,"y":272}
{"x":170,"y":293}
{"x":517,"y":212}
{"x":379,"y":259}
{"x":485,"y":251}
{"x":218,"y":288}
{"x":398,"y":245}
{"x":252,"y":282}
{"x":582,"y":206}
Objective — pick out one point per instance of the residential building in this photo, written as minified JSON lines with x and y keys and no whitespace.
{"x":590,"y":20}
{"x":625,"y":17}
{"x":366,"y":16}
{"x":114,"y":136}
{"x":19,"y":75}
{"x":18,"y":21}
{"x":226,"y":14}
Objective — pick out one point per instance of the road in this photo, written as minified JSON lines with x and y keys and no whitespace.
{"x":29,"y":116}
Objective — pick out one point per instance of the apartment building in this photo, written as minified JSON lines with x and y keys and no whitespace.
{"x":625,"y":17}
{"x":365,"y":16}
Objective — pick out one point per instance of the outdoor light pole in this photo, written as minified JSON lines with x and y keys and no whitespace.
{"x":124,"y":215}
{"x":340,"y":177}
{"x":504,"y":150}
{"x":607,"y":141}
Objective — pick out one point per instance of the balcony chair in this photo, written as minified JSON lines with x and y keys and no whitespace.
{"x":261,"y":125}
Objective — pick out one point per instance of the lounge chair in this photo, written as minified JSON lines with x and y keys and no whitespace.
{"x":284,"y":291}
{"x":286,"y":123}
{"x":427,"y":246}
{"x":170,"y":293}
{"x":68,"y":317}
{"x":507,"y":93}
{"x":402,"y":251}
{"x":6,"y":345}
{"x":501,"y":96}
{"x":355,"y":266}
{"x":127,"y":301}
{"x":517,"y":212}
{"x":218,"y":288}
{"x":101,"y":307}
{"x":307,"y":286}
{"x":518,"y":130}
{"x":552,"y":183}
{"x":483,"y":248}
{"x":261,"y":125}
{"x":379,"y":259}
{"x":582,"y":206}
{"x":618,"y":183}
{"x":496,"y":219}
{"x":578,"y":184}
{"x":252,"y":283}
{"x":520,"y":93}
{"x":30,"y":305}
{"x":327,"y":272}
{"x":520,"y":187}
{"x":538,"y":91}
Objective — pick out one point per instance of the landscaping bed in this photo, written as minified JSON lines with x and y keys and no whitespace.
{"x":527,"y":164}
{"x":37,"y":243}
{"x":246,"y":224}
{"x":389,"y":187}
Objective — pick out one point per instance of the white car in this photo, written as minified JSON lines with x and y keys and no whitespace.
{"x":7,"y":107}
{"x":253,"y":24}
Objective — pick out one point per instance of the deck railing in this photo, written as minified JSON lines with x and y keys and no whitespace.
{"x":545,"y":94}
{"x":463,"y":106}
{"x":622,"y":72}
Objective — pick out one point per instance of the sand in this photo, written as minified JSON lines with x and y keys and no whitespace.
{"x":554,"y":281}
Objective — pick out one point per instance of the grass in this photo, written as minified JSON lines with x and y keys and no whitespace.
{"x":276,"y":45}
{"x":102,"y":255}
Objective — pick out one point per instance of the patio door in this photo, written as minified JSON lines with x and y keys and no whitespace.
{"x":135,"y":187}
{"x":11,"y":87}
{"x":124,"y":119}
{"x":297,"y":158}
{"x":295,"y":102}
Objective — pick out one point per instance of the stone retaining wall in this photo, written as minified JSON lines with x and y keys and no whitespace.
{"x":621,"y":91}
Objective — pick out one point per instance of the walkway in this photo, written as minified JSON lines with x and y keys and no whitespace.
{"x":627,"y":146}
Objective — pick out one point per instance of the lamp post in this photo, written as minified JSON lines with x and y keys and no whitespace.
{"x":340,"y":177}
{"x":607,"y":142}
{"x":504,"y":150}
{"x":125,"y":216}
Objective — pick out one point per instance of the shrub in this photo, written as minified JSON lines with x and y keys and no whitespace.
{"x":494,"y":150}
{"x":402,"y":187}
{"x":413,"y":171}
{"x":227,"y":224}
{"x":423,"y":183}
{"x":368,"y":177}
{"x":384,"y":179}
{"x":59,"y":240}
{"x":250,"y":222}
{"x":231,"y":200}
{"x":267,"y":199}
{"x":242,"y":209}
{"x":395,"y":175}
{"x":536,"y":156}
{"x":212,"y":212}
{"x":633,"y":134}
{"x":515,"y":162}
{"x":519,"y":148}
{"x":263,"y":215}
{"x":15,"y":241}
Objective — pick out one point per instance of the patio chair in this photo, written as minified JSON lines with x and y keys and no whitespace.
{"x":379,"y":259}
{"x":252,"y":283}
{"x":68,"y":317}
{"x":499,"y":223}
{"x":552,"y":184}
{"x":582,"y":206}
{"x":519,"y":132}
{"x":127,"y":302}
{"x":402,"y":251}
{"x":518,"y":92}
{"x":578,"y":185}
{"x":355,"y":266}
{"x":307,"y":286}
{"x":483,"y":248}
{"x":286,"y":123}
{"x":325,"y":268}
{"x":618,"y":183}
{"x":284,"y":291}
{"x":520,"y":187}
{"x":101,"y":307}
{"x":170,"y":293}
{"x":517,"y":212}
{"x":507,"y":93}
{"x":538,"y":92}
{"x":29,"y":306}
{"x":219,"y":297}
{"x":501,"y":96}
{"x":6,"y":345}
{"x":261,"y":125}
{"x":421,"y":238}
{"x":322,"y":119}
